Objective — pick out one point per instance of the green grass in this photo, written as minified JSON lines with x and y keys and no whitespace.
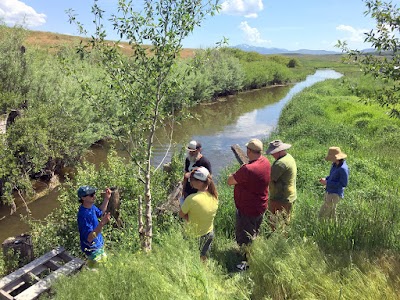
{"x":172,"y":270}
{"x":353,"y":258}
{"x":283,"y":268}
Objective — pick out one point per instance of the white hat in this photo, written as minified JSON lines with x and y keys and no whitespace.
{"x":201,"y":173}
{"x":193,"y":146}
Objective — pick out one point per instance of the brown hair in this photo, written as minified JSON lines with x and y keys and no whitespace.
{"x":209,"y":183}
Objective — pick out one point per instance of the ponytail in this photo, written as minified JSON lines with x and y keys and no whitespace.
{"x":211,"y":187}
{"x":209,"y":184}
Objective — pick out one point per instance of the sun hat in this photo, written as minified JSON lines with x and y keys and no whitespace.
{"x":277,"y":146}
{"x":334,"y":154}
{"x":85,"y":190}
{"x":255,"y":145}
{"x":201,"y":173}
{"x":193,"y":146}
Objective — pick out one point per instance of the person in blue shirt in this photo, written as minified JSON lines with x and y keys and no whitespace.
{"x":334,"y":183}
{"x":91,"y":239}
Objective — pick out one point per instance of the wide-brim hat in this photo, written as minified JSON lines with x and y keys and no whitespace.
{"x":277,"y":146}
{"x":255,"y":145}
{"x":334,"y":154}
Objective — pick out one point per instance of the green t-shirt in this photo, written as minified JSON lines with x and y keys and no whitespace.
{"x":201,"y":208}
{"x":282,"y":186}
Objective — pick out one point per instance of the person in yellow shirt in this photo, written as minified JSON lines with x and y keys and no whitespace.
{"x":199,"y":209}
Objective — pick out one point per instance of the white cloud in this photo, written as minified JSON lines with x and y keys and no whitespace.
{"x":252,"y":34}
{"x":14,"y":12}
{"x":356,"y":35}
{"x":247,"y":8}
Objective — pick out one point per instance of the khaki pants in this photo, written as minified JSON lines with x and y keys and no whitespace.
{"x":328,"y":209}
{"x":279,"y":213}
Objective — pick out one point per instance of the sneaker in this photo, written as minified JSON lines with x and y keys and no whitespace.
{"x":243,"y":266}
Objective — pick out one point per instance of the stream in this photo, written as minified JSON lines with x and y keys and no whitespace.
{"x":217,"y":126}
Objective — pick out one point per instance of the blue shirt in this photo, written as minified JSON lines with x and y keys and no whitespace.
{"x":87,"y":222}
{"x":337,"y":179}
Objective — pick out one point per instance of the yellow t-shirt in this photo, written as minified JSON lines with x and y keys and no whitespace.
{"x":201,"y":208}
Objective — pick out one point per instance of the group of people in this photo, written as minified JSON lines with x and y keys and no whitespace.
{"x":258,"y":187}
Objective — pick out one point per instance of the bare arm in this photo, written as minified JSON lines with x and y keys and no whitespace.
{"x":231,"y":180}
{"x":104,"y":220}
{"x":183,"y":215}
{"x":107,"y":196}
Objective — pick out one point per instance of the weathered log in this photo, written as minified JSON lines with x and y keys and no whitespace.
{"x":239,"y":154}
{"x":19,"y":247}
{"x":172,"y":203}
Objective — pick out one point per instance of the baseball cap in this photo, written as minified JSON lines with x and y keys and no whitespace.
{"x":193,"y":146}
{"x":255,"y":145}
{"x":201,"y":173}
{"x":85,"y":190}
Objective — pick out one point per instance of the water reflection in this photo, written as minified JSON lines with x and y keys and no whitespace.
{"x":249,"y":115}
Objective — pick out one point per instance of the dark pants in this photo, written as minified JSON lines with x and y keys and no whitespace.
{"x":247,"y":228}
{"x":205,"y":243}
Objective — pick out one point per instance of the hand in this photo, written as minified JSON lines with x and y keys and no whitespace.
{"x":187,"y":175}
{"x":322,"y":181}
{"x":105,"y":218}
{"x":107,"y":193}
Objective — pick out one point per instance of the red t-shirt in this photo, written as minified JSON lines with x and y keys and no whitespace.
{"x":251,"y":190}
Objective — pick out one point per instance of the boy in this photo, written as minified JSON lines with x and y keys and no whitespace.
{"x":91,"y":239}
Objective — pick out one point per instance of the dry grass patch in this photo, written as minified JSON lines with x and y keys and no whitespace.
{"x":53,"y":41}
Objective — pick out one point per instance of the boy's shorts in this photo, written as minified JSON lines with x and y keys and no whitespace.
{"x":97,"y":257}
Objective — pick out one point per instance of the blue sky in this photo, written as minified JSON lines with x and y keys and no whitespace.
{"x":289,"y":24}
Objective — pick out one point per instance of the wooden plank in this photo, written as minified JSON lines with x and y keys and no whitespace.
{"x":39,"y":269}
{"x":30,"y":278}
{"x":5,"y":296}
{"x":51,"y":265}
{"x":15,"y":285}
{"x":29,"y":267}
{"x":239,"y":154}
{"x":43,"y":285}
{"x":65,"y":256}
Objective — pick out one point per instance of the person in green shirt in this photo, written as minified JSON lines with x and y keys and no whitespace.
{"x":282,"y":185}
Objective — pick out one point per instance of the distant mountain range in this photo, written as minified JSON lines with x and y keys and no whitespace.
{"x":263,"y":50}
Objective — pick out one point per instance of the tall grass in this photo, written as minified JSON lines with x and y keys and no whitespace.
{"x":368,"y":216}
{"x":296,"y":269}
{"x":172,"y":270}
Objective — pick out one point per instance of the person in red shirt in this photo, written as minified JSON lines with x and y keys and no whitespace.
{"x":251,"y":192}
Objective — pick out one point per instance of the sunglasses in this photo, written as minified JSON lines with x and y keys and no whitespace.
{"x":91,"y":195}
